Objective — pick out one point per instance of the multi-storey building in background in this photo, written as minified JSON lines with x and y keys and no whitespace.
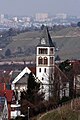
{"x":37,"y":20}
{"x":41,"y":17}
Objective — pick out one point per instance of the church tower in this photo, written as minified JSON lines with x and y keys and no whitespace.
{"x":45,"y":60}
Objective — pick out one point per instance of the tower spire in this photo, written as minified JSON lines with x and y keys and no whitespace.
{"x":45,"y":39}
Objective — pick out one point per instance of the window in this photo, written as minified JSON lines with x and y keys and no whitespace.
{"x":39,"y":69}
{"x":43,"y":51}
{"x":45,"y":70}
{"x":40,"y":50}
{"x":45,"y":61}
{"x":51,"y":50}
{"x":13,"y":109}
{"x":40,"y":60}
{"x":51,"y":60}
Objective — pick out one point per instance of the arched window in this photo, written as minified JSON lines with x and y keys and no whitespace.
{"x":45,"y":61}
{"x":40,"y":61}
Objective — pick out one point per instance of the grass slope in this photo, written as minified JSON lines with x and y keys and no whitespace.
{"x":66,"y":114}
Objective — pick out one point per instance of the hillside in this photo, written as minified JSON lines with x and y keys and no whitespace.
{"x":67,"y":42}
{"x":68,"y":111}
{"x":66,"y":114}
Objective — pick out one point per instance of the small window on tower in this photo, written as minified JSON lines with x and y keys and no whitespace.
{"x":51,"y":50}
{"x":40,"y":60}
{"x":39,"y":69}
{"x":45,"y":61}
{"x":43,"y":50}
{"x":40,"y":50}
{"x":45,"y":70}
{"x":51,"y":60}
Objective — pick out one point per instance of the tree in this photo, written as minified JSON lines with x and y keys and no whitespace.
{"x":32,"y":97}
{"x":65,"y":66}
{"x":8,"y":52}
{"x":42,"y":27}
{"x":57,"y":58}
{"x":33,"y":94}
{"x":78,"y":24}
{"x":12,"y":32}
{"x":19,"y":50}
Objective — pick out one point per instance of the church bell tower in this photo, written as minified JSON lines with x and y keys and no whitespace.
{"x":45,"y":55}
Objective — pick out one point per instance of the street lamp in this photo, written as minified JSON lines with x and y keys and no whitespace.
{"x":28,"y":112}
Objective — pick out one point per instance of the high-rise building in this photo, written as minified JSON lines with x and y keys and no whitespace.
{"x":41,"y":17}
{"x":15,"y":19}
{"x":2,"y":18}
{"x":61,"y":16}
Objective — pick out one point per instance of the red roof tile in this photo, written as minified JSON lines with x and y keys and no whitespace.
{"x":7,"y":93}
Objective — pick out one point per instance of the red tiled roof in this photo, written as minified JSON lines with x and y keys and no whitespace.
{"x":7,"y":93}
{"x":33,"y":69}
{"x":4,"y":76}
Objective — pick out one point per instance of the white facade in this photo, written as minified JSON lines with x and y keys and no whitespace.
{"x":15,"y":19}
{"x":4,"y":112}
{"x":43,"y":69}
{"x":43,"y":66}
{"x":64,"y":91}
{"x":45,"y":61}
{"x":15,"y":110}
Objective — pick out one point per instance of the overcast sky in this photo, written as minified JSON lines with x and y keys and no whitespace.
{"x":30,"y":7}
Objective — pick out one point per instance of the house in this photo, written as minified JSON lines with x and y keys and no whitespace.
{"x":3,"y":108}
{"x":9,"y":106}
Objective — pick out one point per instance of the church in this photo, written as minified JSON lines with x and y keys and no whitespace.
{"x":52,"y":79}
{"x":45,"y":57}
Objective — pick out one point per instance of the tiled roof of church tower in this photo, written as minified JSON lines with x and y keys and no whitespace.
{"x":46,"y":36}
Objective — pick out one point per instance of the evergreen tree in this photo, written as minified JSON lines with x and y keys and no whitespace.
{"x":33,"y":94}
{"x":65,"y":66}
{"x":78,"y":24}
{"x":8,"y":52}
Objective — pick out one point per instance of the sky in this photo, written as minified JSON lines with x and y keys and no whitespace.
{"x":31,"y":7}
